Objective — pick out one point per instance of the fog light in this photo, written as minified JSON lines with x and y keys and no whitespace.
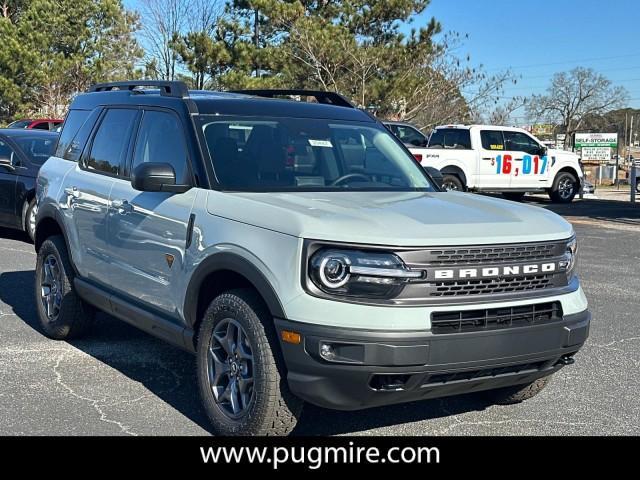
{"x":327,"y":352}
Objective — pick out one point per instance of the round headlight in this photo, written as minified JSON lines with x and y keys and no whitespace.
{"x":334,"y":270}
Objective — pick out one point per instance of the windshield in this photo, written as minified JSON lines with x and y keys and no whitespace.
{"x":20,"y":124}
{"x":37,"y":148}
{"x":302,"y":154}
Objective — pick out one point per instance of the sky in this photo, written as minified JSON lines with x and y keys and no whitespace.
{"x":538,"y":38}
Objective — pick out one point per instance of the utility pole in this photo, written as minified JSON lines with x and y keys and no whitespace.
{"x":256,"y":38}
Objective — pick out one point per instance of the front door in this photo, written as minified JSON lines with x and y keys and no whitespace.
{"x":8,"y":180}
{"x":148,"y":230}
{"x":530,"y":167}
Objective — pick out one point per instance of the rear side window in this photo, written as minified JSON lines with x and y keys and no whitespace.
{"x":455,"y":138}
{"x":492,"y":140}
{"x":67,"y":148}
{"x":161,"y":139}
{"x":111,"y":141}
{"x":41,"y":126}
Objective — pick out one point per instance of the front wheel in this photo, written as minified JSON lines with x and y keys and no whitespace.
{"x":241,"y":374}
{"x":29,"y":218}
{"x":565,"y":187}
{"x":638,"y":185}
{"x":452,"y":183}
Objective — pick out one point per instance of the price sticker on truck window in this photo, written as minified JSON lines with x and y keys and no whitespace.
{"x":320,"y":143}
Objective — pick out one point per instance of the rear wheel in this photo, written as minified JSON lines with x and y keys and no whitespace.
{"x":29,"y":218}
{"x":241,"y":374}
{"x":638,"y":185}
{"x":452,"y":183}
{"x":565,"y":187}
{"x":61,"y":312}
{"x":513,"y":196}
{"x":517,"y":393}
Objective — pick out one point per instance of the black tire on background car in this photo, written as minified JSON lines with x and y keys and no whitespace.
{"x":517,"y":393}
{"x":241,"y":375}
{"x":513,"y":196}
{"x":29,"y":218}
{"x":565,"y":186}
{"x":452,"y":183}
{"x":61,"y":312}
{"x":638,"y":185}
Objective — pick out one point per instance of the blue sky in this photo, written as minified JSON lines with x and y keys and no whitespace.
{"x":538,"y":38}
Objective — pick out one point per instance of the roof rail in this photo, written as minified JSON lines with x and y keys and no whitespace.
{"x":329,"y":98}
{"x":167,"y":88}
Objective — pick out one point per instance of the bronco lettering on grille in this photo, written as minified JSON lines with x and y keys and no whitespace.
{"x":496,"y":272}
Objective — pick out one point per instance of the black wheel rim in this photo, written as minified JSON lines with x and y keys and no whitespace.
{"x":51,"y":287}
{"x":230,"y":368}
{"x":566,"y":187}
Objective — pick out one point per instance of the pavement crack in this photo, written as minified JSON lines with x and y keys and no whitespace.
{"x":96,"y":404}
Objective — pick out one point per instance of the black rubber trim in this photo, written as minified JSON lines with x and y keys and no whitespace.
{"x":346,"y":385}
{"x":192,"y":219}
{"x":139,"y":317}
{"x":232,"y":262}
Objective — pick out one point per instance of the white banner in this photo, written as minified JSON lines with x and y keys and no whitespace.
{"x":602,"y":154}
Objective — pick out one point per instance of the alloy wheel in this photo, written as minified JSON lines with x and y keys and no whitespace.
{"x":51,"y":287}
{"x":565,"y":188}
{"x":230,"y":368}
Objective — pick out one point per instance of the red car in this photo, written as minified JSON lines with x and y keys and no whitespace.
{"x":37,"y":123}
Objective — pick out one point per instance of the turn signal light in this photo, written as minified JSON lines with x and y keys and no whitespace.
{"x":291,"y":337}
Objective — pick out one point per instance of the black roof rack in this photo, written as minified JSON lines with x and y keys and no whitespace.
{"x":167,"y":88}
{"x":329,"y":98}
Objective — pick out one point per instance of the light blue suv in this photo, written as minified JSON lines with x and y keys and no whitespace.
{"x":299,"y":251}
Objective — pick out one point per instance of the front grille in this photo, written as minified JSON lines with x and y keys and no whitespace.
{"x":491,"y":255}
{"x":492,"y":285}
{"x":495,"y":318}
{"x":442,"y":378}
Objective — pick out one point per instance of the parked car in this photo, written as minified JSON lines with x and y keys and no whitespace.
{"x":22,"y":152}
{"x":588,"y":187}
{"x":299,"y":252}
{"x":411,"y":136}
{"x":38,"y":124}
{"x":487,"y":158}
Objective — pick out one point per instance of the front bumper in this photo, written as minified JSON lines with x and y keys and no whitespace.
{"x":376,"y":368}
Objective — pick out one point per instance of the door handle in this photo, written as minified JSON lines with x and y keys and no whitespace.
{"x":123,"y":206}
{"x":487,"y":158}
{"x":72,"y":192}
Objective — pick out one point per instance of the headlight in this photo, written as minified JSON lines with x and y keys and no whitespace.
{"x":359,"y":273}
{"x":571,"y":256}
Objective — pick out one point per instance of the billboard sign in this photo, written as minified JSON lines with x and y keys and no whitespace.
{"x":596,"y":140}
{"x":600,"y":154}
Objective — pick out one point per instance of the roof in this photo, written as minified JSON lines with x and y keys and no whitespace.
{"x":488,"y":127}
{"x":214,"y":103}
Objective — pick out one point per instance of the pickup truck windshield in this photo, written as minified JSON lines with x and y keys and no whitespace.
{"x":302,"y":154}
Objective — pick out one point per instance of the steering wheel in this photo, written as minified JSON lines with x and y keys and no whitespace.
{"x":349,"y":176}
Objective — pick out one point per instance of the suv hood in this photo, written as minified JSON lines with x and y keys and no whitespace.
{"x":392,"y":218}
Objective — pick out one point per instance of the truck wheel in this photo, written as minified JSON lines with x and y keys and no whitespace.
{"x":241,"y":374}
{"x":452,"y":183}
{"x":29,"y":218}
{"x":518,"y":393}
{"x":513,"y":196}
{"x":565,"y":187}
{"x":61,"y":312}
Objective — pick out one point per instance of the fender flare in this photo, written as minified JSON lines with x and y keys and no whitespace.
{"x":452,"y":168}
{"x":237,"y":264}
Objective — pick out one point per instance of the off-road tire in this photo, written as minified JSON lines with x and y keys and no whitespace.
{"x":518,"y":393}
{"x":453,"y":182}
{"x":273,"y":410}
{"x":75,"y":317}
{"x":513,"y":196}
{"x":555,"y":193}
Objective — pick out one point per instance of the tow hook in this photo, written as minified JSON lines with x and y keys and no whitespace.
{"x":566,"y":360}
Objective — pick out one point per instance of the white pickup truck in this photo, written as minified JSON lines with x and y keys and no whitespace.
{"x":501,"y":159}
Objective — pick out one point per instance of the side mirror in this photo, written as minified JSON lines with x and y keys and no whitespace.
{"x":436,"y":175}
{"x":543,"y":151}
{"x":156,"y":177}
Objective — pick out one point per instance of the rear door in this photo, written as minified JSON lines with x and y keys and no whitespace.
{"x":494,"y":162}
{"x":529,"y":168}
{"x":148,"y":230}
{"x":88,"y":186}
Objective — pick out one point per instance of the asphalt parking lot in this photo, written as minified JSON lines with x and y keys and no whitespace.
{"x":120,"y":381}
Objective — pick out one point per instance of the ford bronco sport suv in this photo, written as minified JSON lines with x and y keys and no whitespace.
{"x":298,"y":250}
{"x":486,"y":158}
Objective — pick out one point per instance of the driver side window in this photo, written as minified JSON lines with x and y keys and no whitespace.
{"x":520,"y":142}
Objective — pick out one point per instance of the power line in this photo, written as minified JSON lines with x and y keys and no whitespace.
{"x":564,"y":62}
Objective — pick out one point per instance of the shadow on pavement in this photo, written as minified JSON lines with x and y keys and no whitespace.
{"x":169,"y":373}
